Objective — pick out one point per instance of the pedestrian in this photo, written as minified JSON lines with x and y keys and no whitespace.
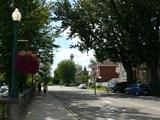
{"x":39,"y":88}
{"x":45,"y":88}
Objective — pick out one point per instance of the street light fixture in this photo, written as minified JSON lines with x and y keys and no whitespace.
{"x":95,"y":86}
{"x":99,"y":77}
{"x":16,"y":17}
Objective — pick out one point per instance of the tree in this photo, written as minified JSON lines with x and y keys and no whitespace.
{"x":56,"y":79}
{"x":84,"y":75}
{"x":92,"y":63}
{"x":101,"y":31}
{"x":66,"y":71}
{"x":141,"y":20}
{"x":44,"y":72}
{"x":35,"y":27}
{"x":81,"y":75}
{"x":84,"y":78}
{"x":123,"y":31}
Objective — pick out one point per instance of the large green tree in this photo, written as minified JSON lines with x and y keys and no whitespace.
{"x":91,"y":21}
{"x":35,"y":26}
{"x":123,"y":31}
{"x":141,"y":21}
{"x":66,"y":71}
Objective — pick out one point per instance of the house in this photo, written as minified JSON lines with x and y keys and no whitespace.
{"x":103,"y":72}
{"x":121,"y":73}
{"x":141,"y":74}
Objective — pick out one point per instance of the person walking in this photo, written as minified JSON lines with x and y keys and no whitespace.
{"x":39,"y":88}
{"x":45,"y":88}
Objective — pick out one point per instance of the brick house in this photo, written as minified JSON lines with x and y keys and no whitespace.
{"x":104,"y":71}
{"x":141,"y":74}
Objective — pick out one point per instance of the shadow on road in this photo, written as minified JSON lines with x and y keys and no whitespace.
{"x":120,"y":95}
{"x":76,"y":102}
{"x":111,"y":113}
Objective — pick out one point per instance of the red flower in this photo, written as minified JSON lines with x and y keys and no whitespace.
{"x":27,"y":62}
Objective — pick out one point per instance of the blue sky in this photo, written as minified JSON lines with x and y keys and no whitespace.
{"x":64,"y":51}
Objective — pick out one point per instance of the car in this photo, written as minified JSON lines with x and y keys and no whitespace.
{"x":120,"y":87}
{"x":137,"y":89}
{"x":4,"y":90}
{"x":82,"y":86}
{"x":110,"y":85}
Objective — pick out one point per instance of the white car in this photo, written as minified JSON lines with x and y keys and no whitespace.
{"x":4,"y":90}
{"x":82,"y":86}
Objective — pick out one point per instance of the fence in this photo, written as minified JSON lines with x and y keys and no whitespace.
{"x":21,"y":102}
{"x":3,"y":111}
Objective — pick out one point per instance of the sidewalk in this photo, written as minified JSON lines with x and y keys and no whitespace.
{"x":47,"y":108}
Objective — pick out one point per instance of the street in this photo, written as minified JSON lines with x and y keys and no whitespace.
{"x":106,"y":106}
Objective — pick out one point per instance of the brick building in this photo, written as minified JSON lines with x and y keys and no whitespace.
{"x":104,"y":71}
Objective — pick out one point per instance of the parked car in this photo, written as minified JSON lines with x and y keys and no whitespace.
{"x":110,"y":85}
{"x":137,"y":89}
{"x":4,"y":90}
{"x":120,"y":87}
{"x":82,"y":86}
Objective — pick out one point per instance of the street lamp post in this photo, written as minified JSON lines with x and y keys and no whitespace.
{"x":16,"y":17}
{"x":95,"y":86}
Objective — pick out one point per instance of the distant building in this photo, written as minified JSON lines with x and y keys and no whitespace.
{"x":121,"y":73}
{"x":141,"y":74}
{"x":104,"y":71}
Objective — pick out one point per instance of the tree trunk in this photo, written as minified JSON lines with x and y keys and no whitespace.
{"x":129,"y":72}
{"x":153,"y":71}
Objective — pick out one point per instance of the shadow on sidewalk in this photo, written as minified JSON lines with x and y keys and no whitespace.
{"x":46,"y":107}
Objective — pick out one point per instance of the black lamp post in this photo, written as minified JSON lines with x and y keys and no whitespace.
{"x":16,"y":17}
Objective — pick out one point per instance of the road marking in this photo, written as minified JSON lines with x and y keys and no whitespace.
{"x":108,"y":102}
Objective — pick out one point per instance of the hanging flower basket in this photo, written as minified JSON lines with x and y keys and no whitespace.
{"x":27,"y":62}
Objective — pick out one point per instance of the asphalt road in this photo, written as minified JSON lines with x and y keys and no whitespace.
{"x":106,"y":106}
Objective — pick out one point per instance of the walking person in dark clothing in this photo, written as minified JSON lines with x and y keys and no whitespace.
{"x":39,"y":88}
{"x":45,"y":88}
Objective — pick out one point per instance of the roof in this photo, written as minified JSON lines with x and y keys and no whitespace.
{"x":107,"y":63}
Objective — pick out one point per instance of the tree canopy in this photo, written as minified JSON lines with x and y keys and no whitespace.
{"x":35,"y":26}
{"x":123,"y":31}
{"x":66,"y":71}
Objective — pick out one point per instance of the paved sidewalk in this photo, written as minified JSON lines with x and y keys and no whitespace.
{"x":47,"y":108}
